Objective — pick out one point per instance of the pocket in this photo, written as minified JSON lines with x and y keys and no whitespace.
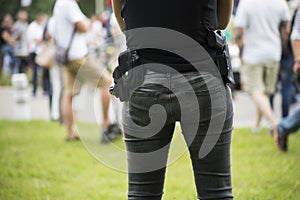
{"x":140,"y":103}
{"x":203,"y":84}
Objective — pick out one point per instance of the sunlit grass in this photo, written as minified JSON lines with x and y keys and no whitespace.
{"x":37,"y":163}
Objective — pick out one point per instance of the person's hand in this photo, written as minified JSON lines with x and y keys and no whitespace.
{"x":295,"y":67}
{"x":88,"y":22}
{"x":38,"y":40}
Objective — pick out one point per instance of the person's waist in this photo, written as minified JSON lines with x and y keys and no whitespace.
{"x":189,"y":28}
{"x":168,"y":61}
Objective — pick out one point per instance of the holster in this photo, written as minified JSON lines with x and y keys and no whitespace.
{"x":128,"y":75}
{"x":217,"y":40}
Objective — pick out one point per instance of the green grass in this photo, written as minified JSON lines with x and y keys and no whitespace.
{"x":5,"y":80}
{"x":36,"y":163}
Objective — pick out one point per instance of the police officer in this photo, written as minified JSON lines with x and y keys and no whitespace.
{"x":147,"y":145}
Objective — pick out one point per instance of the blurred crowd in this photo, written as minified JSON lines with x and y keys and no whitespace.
{"x":19,"y":38}
{"x":266,"y":37}
{"x":22,"y":41}
{"x":286,"y":83}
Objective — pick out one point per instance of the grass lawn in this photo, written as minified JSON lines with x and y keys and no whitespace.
{"x":36,"y":163}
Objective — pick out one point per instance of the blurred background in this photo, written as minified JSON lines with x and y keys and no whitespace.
{"x":37,"y":163}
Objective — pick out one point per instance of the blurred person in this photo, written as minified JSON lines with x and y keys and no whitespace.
{"x":259,"y":26}
{"x":117,"y":35}
{"x":19,"y":33}
{"x":291,"y":123}
{"x":96,"y":37}
{"x":55,"y":77}
{"x":285,"y":127}
{"x":147,"y":154}
{"x":118,"y":42}
{"x":285,"y":76}
{"x":7,"y":43}
{"x":104,"y":17}
{"x":112,"y":51}
{"x":49,"y":68}
{"x":55,"y":72}
{"x":34,"y":40}
{"x":295,"y":39}
{"x":109,"y":5}
{"x":286,"y":73}
{"x":68,"y":19}
{"x":235,"y":6}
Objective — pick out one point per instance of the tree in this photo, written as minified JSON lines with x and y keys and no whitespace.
{"x":40,"y":6}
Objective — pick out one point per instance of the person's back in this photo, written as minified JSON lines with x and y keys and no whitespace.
{"x":154,"y":36}
{"x":66,"y":14}
{"x":169,"y":13}
{"x":261,"y":22}
{"x":191,"y":17}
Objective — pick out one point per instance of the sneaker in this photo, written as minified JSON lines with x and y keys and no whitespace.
{"x":111,"y":133}
{"x":282,"y":143}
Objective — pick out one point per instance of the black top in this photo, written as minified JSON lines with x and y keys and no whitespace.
{"x":4,"y":29}
{"x":2,"y":41}
{"x":191,"y":17}
{"x":187,"y":16}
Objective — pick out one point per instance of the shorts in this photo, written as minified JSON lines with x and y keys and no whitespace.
{"x":260,"y":77}
{"x":84,"y":70}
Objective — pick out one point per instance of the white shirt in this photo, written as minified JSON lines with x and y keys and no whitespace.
{"x":260,"y":20}
{"x":20,"y":29}
{"x":66,"y":14}
{"x":96,"y":35}
{"x":296,"y":27}
{"x":51,"y":26}
{"x":34,"y":31}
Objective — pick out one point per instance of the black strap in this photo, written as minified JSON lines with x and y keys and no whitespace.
{"x":71,"y":40}
{"x":45,"y":31}
{"x":73,"y":32}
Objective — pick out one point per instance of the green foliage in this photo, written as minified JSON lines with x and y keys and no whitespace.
{"x":36,"y":163}
{"x":88,"y":7}
{"x":5,"y":80}
{"x":40,"y":6}
{"x":9,"y":6}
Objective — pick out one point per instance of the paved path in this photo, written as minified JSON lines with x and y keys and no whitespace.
{"x":85,"y":107}
{"x":38,"y":106}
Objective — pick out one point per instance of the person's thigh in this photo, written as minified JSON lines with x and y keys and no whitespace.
{"x":147,"y":160}
{"x":147,"y":143}
{"x":254,"y":78}
{"x":94,"y":73}
{"x":70,"y":71}
{"x":209,"y":147}
{"x":271,"y":74}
